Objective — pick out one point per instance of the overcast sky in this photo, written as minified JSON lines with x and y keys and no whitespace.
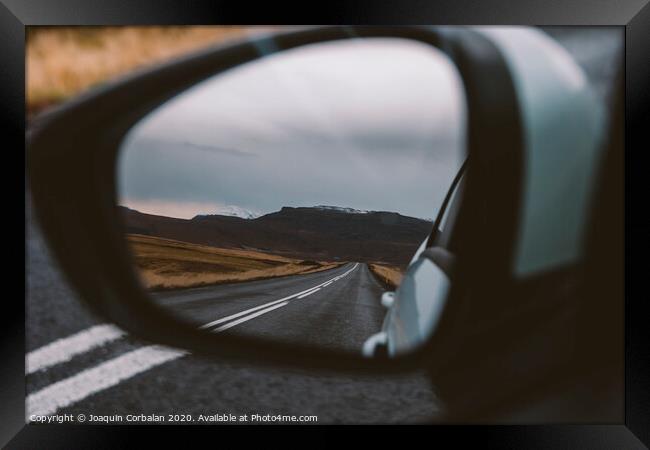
{"x":371,"y":124}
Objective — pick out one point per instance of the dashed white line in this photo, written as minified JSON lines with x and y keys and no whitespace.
{"x":249,"y":317}
{"x":289,"y":297}
{"x":87,"y":382}
{"x":309,"y":293}
{"x":64,"y":349}
{"x":110,"y":373}
{"x":239,"y":314}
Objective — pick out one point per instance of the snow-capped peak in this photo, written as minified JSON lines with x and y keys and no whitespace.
{"x":236,"y":211}
{"x":342,"y":209}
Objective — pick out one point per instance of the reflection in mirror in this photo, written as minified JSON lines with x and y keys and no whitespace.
{"x":282,"y":198}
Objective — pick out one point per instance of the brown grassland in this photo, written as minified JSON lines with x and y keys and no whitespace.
{"x":168,"y":264}
{"x":64,"y":61}
{"x":389,"y":275}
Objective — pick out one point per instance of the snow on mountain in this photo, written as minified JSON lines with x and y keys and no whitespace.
{"x":342,"y":209}
{"x":235,"y":211}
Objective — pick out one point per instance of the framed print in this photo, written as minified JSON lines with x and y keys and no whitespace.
{"x":348,"y":214}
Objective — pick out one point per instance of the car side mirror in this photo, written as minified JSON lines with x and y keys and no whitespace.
{"x":73,"y":161}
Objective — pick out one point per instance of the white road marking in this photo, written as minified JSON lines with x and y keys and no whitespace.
{"x":239,"y":314}
{"x":64,"y":349}
{"x":309,"y":293}
{"x":249,"y":317}
{"x":110,"y":373}
{"x":306,"y":293}
{"x":87,"y":382}
{"x":289,"y":297}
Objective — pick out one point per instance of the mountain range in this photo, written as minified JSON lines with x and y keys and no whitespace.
{"x":310,"y":233}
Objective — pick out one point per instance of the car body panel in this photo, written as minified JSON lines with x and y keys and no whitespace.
{"x":564,"y":126}
{"x":421,"y":300}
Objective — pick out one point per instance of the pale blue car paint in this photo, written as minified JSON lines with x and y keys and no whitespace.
{"x":563,"y":125}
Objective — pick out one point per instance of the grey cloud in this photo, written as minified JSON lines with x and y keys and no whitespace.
{"x":262,"y":145}
{"x":221,"y":150}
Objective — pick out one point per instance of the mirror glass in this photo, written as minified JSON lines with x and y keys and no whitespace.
{"x":283,"y":197}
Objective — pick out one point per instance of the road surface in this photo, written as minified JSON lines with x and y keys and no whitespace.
{"x":337,"y":308}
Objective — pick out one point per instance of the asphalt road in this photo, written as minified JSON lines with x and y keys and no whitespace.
{"x":337,"y":308}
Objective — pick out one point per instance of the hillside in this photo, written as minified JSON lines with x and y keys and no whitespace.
{"x":316,"y":233}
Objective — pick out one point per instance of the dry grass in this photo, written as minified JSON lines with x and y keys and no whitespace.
{"x":390,"y":275}
{"x":168,"y":264}
{"x":63,"y":61}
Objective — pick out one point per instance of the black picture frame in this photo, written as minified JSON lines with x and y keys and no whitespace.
{"x":634,"y":15}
